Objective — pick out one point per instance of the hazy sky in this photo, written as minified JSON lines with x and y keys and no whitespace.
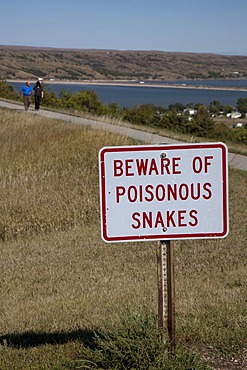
{"x":217,"y":26}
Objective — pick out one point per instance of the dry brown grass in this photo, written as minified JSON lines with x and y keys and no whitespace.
{"x":59,"y":281}
{"x":44,"y":180}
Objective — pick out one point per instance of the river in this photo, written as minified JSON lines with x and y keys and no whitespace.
{"x":163,"y":93}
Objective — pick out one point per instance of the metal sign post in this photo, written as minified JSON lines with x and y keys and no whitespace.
{"x":170,"y":295}
{"x":166,"y":292}
{"x":162,"y":290}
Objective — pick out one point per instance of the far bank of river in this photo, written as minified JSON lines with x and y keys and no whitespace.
{"x":159,"y":93}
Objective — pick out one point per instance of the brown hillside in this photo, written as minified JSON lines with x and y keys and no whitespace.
{"x":20,"y":62}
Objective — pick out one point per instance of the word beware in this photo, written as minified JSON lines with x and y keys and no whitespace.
{"x":150,"y":167}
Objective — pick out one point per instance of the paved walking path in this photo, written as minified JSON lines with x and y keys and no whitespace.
{"x":234,"y":160}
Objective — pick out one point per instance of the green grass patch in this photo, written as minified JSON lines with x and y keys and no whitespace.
{"x":135,"y":344}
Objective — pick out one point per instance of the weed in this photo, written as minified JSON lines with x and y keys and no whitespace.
{"x":135,"y":344}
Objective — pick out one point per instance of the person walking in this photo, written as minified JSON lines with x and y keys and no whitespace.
{"x":38,"y":94}
{"x":26,"y":92}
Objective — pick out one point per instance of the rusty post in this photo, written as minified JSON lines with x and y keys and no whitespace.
{"x":162,"y":286}
{"x":170,"y":295}
{"x":166,"y":292}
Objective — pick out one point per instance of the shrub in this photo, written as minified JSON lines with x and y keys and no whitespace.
{"x":135,"y":344}
{"x":146,"y":114}
{"x":7,"y":91}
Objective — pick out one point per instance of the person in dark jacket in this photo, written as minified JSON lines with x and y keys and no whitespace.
{"x":38,"y":94}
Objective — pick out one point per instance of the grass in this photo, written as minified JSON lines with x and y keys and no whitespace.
{"x":45,"y":161}
{"x":67,"y":297}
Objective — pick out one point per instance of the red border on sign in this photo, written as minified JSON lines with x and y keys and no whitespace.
{"x":143,"y":148}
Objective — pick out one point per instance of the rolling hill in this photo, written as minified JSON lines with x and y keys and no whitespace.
{"x":21,"y":62}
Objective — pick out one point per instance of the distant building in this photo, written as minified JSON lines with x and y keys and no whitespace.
{"x":190,"y":111}
{"x":234,"y":115}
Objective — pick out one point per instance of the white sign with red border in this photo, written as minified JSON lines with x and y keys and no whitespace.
{"x":163,"y":192}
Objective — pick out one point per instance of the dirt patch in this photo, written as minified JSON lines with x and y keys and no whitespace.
{"x":231,"y":362}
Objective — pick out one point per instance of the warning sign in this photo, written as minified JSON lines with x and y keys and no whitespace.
{"x":163,"y":192}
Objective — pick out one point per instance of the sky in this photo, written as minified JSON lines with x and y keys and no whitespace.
{"x":197,"y":26}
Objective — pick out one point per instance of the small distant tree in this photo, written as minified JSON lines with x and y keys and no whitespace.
{"x":50,"y":99}
{"x":215,"y":107}
{"x":86,"y":101}
{"x":199,"y":106}
{"x":176,"y":122}
{"x":222,"y":131}
{"x":239,"y":135}
{"x":203,"y":123}
{"x":177,"y":107}
{"x":169,"y":120}
{"x":7,"y":91}
{"x":113,"y":110}
{"x":228,"y":109}
{"x":65,"y":95}
{"x":242,"y":105}
{"x":146,"y":114}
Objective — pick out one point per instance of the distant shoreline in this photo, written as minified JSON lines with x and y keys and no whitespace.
{"x":134,"y":84}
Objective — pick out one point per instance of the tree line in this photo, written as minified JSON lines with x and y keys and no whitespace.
{"x":193,"y":119}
